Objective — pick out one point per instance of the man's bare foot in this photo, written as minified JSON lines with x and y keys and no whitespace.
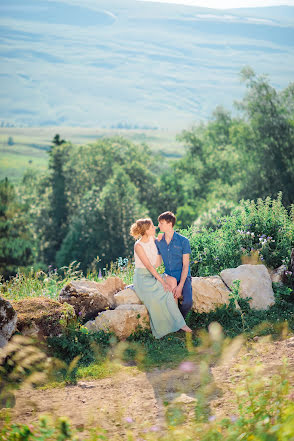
{"x":186,"y":328}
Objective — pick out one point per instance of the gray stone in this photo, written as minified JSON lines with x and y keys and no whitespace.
{"x":208,"y":293}
{"x":277,"y":274}
{"x":123,"y":320}
{"x":255,"y":283}
{"x":127,"y":296}
{"x":8,"y":319}
{"x":89,"y":298}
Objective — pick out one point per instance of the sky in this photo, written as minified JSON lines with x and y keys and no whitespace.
{"x":228,"y":4}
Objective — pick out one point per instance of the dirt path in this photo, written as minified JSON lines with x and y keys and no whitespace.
{"x":134,"y":400}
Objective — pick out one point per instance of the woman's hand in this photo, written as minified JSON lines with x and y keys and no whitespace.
{"x":160,"y":236}
{"x":165,"y":285}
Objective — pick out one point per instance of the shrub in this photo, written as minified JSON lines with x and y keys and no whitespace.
{"x":263,"y":227}
{"x":78,"y":341}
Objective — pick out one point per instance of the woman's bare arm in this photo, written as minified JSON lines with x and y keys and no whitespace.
{"x":158,"y":260}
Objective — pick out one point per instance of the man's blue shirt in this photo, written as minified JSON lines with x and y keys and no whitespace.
{"x":172,"y":254}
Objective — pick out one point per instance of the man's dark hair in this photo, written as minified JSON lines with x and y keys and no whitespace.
{"x":168,"y":216}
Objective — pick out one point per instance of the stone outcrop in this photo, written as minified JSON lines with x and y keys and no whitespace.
{"x":8,"y":319}
{"x":123,"y":320}
{"x":89,"y":298}
{"x":127,"y":296}
{"x":209,"y":293}
{"x":277,"y":275}
{"x":41,"y":317}
{"x":255,"y":283}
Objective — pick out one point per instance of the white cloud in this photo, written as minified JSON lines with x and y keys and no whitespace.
{"x":228,"y":4}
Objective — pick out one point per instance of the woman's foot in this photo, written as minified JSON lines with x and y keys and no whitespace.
{"x":186,"y":328}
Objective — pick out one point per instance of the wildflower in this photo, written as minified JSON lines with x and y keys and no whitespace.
{"x":154,"y":429}
{"x":233,"y":418}
{"x":212,"y":418}
{"x":80,"y":313}
{"x":129,"y":420}
{"x":100,"y":274}
{"x":252,"y":234}
{"x":187,"y":366}
{"x":288,"y":273}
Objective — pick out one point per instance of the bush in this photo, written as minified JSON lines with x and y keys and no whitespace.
{"x":263,"y":227}
{"x":78,"y":341}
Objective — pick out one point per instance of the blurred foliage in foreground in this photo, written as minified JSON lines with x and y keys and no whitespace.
{"x":262,"y":407}
{"x":84,"y":205}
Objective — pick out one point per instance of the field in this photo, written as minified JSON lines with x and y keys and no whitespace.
{"x":30,"y":145}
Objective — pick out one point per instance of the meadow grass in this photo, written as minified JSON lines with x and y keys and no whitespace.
{"x":30,"y":144}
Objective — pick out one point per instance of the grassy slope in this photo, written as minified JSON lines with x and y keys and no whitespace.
{"x":30,"y":145}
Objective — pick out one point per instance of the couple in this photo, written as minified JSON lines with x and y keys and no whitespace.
{"x":160,"y":293}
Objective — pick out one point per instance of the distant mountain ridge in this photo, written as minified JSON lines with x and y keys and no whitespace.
{"x":129,"y":62}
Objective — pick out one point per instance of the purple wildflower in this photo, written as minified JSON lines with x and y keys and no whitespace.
{"x":129,"y":420}
{"x":187,"y":366}
{"x":154,"y":429}
{"x":212,"y":418}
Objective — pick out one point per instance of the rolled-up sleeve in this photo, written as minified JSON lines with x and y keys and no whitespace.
{"x":186,"y":247}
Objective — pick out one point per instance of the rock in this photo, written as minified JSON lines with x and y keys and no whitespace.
{"x":123,"y":320}
{"x":185,"y":399}
{"x":8,"y":319}
{"x":127,"y":296}
{"x":89,"y":298}
{"x":208,"y":293}
{"x":40,"y":316}
{"x":277,"y":274}
{"x":255,"y":283}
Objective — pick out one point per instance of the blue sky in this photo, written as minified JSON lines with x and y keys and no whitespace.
{"x":228,"y":4}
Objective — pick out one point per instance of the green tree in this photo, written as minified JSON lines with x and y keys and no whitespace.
{"x":269,"y":138}
{"x":57,"y":141}
{"x":15,"y":241}
{"x":101,"y":225}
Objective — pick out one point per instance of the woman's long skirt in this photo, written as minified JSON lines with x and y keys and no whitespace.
{"x":165,"y":316}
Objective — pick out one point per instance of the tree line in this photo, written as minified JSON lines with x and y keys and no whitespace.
{"x":83,"y":206}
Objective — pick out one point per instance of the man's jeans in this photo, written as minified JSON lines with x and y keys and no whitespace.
{"x":187,"y":297}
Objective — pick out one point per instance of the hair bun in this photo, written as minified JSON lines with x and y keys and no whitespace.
{"x":140,"y":227}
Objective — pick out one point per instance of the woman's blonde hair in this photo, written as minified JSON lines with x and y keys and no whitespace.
{"x":140,"y":227}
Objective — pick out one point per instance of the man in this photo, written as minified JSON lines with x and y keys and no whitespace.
{"x":175,"y":251}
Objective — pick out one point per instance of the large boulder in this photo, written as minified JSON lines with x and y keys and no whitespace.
{"x":123,"y":320}
{"x":127,"y":297}
{"x":8,"y":319}
{"x":42,"y":317}
{"x":277,"y":275}
{"x":89,"y":298}
{"x":209,"y":293}
{"x":255,"y":283}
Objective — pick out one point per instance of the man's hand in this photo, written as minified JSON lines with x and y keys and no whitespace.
{"x":177,"y":292}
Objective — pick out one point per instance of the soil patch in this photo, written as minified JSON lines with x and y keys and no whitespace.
{"x":133,"y":400}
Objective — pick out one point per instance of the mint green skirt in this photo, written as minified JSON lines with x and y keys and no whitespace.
{"x":164,"y":314}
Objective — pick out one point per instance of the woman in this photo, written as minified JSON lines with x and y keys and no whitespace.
{"x":153,"y":289}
